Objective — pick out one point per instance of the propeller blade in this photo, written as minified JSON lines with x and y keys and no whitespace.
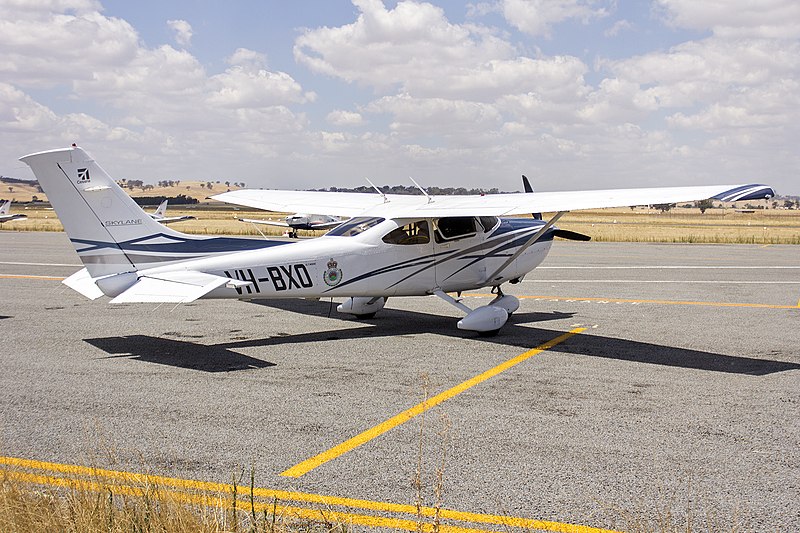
{"x":571,"y":235}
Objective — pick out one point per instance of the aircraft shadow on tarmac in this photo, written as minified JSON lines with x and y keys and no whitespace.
{"x":181,"y":354}
{"x":516,"y":332}
{"x":222,"y":357}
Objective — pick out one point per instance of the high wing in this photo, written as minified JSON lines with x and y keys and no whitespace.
{"x":266,"y":222}
{"x":403,"y":206}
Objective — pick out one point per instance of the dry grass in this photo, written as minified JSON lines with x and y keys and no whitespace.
{"x":683,"y":225}
{"x":680,"y":225}
{"x":94,"y":505}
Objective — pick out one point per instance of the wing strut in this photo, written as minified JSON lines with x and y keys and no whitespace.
{"x":525,"y":246}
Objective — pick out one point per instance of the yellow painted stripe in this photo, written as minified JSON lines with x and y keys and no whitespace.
{"x":95,"y":475}
{"x":24,"y":276}
{"x":625,"y":300}
{"x":366,"y":436}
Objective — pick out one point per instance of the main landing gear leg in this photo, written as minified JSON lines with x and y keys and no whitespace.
{"x":485,"y":320}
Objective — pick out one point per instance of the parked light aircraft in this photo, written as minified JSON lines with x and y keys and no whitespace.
{"x":6,"y":215}
{"x":160,"y":215}
{"x":300,"y":221}
{"x":392,"y":246}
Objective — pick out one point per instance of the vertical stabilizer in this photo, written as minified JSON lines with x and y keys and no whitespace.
{"x":161,"y":212}
{"x":102,"y":222}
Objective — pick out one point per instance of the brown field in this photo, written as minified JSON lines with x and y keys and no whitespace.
{"x":683,"y":225}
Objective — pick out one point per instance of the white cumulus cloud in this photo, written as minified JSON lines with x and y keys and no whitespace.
{"x":183,"y":31}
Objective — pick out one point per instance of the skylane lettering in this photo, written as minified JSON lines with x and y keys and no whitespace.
{"x":133,"y":222}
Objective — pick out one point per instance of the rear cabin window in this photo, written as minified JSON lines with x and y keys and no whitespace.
{"x":413,"y":233}
{"x":354,"y":226}
{"x":452,"y":228}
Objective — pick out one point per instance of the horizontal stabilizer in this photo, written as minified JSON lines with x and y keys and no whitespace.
{"x":83,"y":283}
{"x":182,"y":286}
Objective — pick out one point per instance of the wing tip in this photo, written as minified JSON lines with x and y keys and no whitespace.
{"x":753,"y":191}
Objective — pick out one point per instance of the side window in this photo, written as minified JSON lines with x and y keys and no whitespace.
{"x":413,"y":233}
{"x":452,"y":228}
{"x":488,"y":223}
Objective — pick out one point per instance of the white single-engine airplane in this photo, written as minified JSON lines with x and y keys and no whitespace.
{"x":160,"y":215}
{"x":392,"y":246}
{"x":6,"y":215}
{"x":296,"y":221}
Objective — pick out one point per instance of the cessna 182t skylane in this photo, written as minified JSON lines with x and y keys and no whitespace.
{"x":391,"y":246}
{"x":299,"y":221}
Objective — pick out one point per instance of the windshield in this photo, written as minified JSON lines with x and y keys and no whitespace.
{"x":354,"y":226}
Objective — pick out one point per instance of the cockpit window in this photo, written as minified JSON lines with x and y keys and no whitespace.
{"x":488,"y":223}
{"x":413,"y":233}
{"x":354,"y":226}
{"x":451,"y":228}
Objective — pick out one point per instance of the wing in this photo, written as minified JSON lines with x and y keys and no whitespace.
{"x":326,"y":225}
{"x":265,"y":222}
{"x":402,"y":206}
{"x":170,"y":220}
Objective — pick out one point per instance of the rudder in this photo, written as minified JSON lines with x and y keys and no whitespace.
{"x":98,"y":216}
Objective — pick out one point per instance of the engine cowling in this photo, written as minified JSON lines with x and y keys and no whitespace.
{"x":362,"y":306}
{"x":485,"y":319}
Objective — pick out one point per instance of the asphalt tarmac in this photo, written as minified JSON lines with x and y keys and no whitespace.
{"x":679,"y":388}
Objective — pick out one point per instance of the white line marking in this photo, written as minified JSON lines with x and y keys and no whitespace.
{"x":40,"y":264}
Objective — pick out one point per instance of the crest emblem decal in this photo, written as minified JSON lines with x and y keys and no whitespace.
{"x":333,"y":275}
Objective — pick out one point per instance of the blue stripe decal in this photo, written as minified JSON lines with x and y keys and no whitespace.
{"x":180,"y":245}
{"x":746,"y":192}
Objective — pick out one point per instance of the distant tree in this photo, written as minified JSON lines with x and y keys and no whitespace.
{"x":702,"y":205}
{"x":788,"y":204}
{"x":663,"y":207}
{"x":11,"y":189}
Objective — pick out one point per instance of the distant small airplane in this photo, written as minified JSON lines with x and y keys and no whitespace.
{"x":6,"y":216}
{"x":394,"y":245}
{"x":161,"y":215}
{"x":299,"y":221}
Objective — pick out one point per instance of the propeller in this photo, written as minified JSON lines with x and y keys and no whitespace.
{"x":571,"y":235}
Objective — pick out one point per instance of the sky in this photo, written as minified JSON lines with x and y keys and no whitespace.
{"x":575,"y":94}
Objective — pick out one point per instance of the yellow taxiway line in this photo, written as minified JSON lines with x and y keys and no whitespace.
{"x":530,"y":297}
{"x":366,"y":436}
{"x":220,"y":494}
{"x":626,"y":300}
{"x":27,"y":276}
